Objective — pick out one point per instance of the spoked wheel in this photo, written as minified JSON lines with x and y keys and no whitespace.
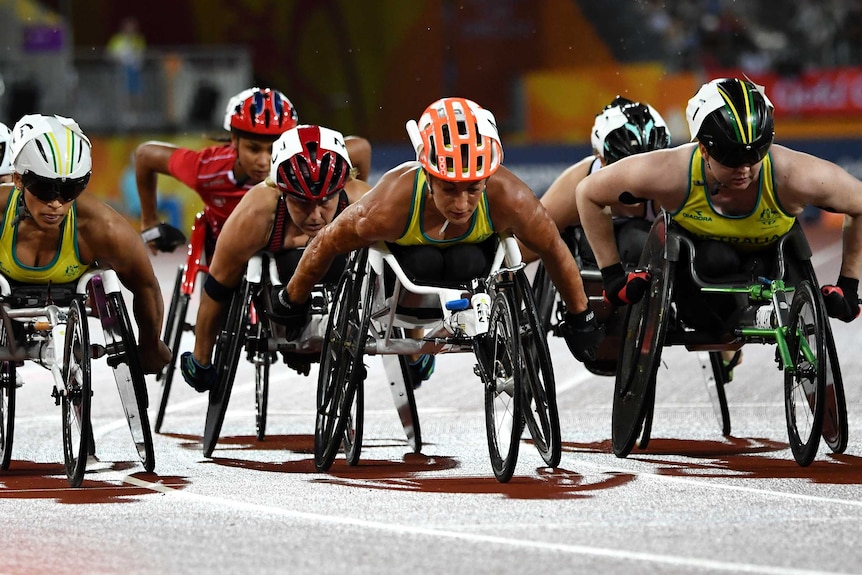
{"x":645,"y":328}
{"x":353,"y":429}
{"x":7,"y":401}
{"x":540,"y":394}
{"x":262,"y":359}
{"x":174,"y":328}
{"x":341,"y":367}
{"x":805,"y":378}
{"x":78,"y":394}
{"x":122,"y":352}
{"x":499,"y":355}
{"x":229,"y":346}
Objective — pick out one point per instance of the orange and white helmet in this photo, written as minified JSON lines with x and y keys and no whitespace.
{"x":457,"y":140}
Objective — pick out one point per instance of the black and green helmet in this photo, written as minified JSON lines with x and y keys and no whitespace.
{"x":734,"y":120}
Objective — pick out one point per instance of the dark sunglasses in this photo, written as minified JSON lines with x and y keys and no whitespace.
{"x":48,"y":190}
{"x":736,"y":156}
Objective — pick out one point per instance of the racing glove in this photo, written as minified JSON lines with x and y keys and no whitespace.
{"x":164,"y":237}
{"x":842,"y":299}
{"x":293,"y":316}
{"x":582,"y":334}
{"x":201,"y":378}
{"x":621,"y":288}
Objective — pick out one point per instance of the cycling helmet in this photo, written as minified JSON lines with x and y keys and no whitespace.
{"x":310,"y":163}
{"x":624,"y":128}
{"x":457,"y":140}
{"x":734,"y":119}
{"x":52,"y":154}
{"x":5,"y":150}
{"x":260,"y":112}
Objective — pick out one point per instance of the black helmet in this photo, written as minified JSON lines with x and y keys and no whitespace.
{"x":734,"y":119}
{"x":624,"y":128}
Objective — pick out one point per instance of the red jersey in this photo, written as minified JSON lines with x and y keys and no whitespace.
{"x":209,"y":172}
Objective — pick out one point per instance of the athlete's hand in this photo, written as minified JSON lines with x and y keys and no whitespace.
{"x":842,"y":299}
{"x":164,"y":237}
{"x":293,"y":316}
{"x":201,"y":377}
{"x":621,"y":288}
{"x":582,"y":334}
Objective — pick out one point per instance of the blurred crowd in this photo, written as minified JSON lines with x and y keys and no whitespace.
{"x":786,"y":37}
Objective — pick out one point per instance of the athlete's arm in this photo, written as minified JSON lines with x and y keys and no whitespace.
{"x":379,"y":215}
{"x":151,"y":159}
{"x":515,"y":209}
{"x":106,"y":237}
{"x":245,"y":233}
{"x":359,"y":150}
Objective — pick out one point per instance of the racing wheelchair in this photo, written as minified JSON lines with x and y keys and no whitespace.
{"x":784,"y":308}
{"x":494,"y":317}
{"x":49,"y":324}
{"x":249,"y":328}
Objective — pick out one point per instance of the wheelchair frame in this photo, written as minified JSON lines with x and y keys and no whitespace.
{"x":246,"y":328}
{"x":57,"y":338}
{"x":818,"y":410}
{"x":493,"y":317}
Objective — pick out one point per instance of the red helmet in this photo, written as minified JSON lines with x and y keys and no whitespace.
{"x":310,"y":162}
{"x":260,"y":112}
{"x":457,"y":140}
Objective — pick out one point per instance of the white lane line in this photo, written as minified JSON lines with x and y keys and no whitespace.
{"x":701,"y":484}
{"x":508,"y":543}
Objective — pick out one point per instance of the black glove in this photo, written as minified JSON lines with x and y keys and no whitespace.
{"x":164,"y":237}
{"x":621,"y":288}
{"x":293,"y":316}
{"x":842,"y":299}
{"x":582,"y":334}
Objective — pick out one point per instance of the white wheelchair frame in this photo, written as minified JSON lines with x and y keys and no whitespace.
{"x":53,"y":334}
{"x":493,"y":317}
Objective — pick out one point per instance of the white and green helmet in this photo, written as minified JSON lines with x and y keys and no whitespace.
{"x":51,"y":147}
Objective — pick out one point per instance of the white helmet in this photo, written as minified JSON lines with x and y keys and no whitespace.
{"x":5,"y":150}
{"x":51,"y":147}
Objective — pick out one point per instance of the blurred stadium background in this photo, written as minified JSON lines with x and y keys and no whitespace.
{"x":544,"y":67}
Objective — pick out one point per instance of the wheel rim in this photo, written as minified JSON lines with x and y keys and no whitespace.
{"x":76,"y":401}
{"x":502,"y":368}
{"x":805,"y":383}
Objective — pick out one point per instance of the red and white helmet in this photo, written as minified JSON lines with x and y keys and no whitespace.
{"x":260,"y":112}
{"x":310,"y":162}
{"x":457,"y":140}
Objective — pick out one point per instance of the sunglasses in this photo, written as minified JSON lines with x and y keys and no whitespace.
{"x":736,"y":156}
{"x":48,"y":190}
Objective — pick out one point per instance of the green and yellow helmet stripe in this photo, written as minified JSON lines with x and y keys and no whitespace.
{"x":742,"y":123}
{"x":62,"y":167}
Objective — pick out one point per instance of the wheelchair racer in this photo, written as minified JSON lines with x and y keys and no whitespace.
{"x":733,"y":190}
{"x":621,"y":129}
{"x":52,"y":233}
{"x":441,"y":214}
{"x":222,"y":174}
{"x":309,"y":184}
